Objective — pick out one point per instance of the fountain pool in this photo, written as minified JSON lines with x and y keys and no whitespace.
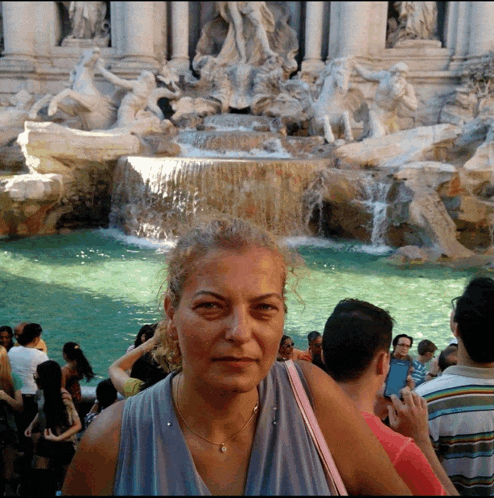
{"x":99,"y":287}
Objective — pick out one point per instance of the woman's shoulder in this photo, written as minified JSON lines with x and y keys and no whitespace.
{"x":97,"y":455}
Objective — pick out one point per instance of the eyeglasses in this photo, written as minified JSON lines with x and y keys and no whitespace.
{"x":404,"y":345}
{"x":453,"y":302}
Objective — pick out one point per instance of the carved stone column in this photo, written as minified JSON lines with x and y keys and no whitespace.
{"x":18,"y":32}
{"x":313,"y":37}
{"x":481,"y":31}
{"x":138,"y":31}
{"x":179,"y":26}
{"x":349,"y":28}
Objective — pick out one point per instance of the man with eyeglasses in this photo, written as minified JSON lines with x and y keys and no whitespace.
{"x":460,"y":403}
{"x":401,"y":347}
{"x":315,"y":347}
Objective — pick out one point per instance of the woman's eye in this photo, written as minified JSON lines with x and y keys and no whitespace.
{"x":207,"y":305}
{"x":266,"y":307}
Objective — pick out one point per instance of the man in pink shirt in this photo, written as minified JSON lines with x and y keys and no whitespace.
{"x":356,"y":343}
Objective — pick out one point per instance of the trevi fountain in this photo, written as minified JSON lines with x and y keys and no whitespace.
{"x":362,"y":132}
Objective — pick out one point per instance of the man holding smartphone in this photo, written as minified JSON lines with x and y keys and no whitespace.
{"x":356,"y":343}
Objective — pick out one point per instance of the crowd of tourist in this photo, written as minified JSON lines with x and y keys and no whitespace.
{"x":212,"y":403}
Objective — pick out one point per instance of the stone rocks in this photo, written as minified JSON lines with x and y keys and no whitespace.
{"x":27,"y":204}
{"x":397,"y":149}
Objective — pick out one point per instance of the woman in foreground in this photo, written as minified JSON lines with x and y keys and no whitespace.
{"x":226,"y":422}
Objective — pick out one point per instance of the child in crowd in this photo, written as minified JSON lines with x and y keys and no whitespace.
{"x":106,"y":395}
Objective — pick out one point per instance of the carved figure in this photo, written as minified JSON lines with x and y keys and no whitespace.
{"x":240,"y":38}
{"x":142,"y":94}
{"x":87,"y":19}
{"x":393,"y":93}
{"x":234,"y":14}
{"x":83,"y":99}
{"x":336,"y":100}
{"x":416,"y":20}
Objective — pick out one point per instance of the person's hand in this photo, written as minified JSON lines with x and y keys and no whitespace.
{"x":3,"y":395}
{"x":409,"y":417}
{"x":28,"y":432}
{"x":49,"y":436}
{"x":381,"y":403}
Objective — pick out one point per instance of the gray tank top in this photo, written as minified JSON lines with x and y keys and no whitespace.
{"x":154,"y":459}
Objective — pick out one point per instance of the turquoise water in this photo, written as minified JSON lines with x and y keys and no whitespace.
{"x":98,"y":287}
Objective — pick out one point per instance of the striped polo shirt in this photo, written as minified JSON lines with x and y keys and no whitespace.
{"x":461,"y":424}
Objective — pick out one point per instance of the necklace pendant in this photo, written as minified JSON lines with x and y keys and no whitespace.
{"x":223,"y":448}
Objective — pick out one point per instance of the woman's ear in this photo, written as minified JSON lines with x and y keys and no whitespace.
{"x":170,"y":313}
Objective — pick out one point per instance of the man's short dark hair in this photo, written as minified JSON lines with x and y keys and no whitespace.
{"x":426,"y":346}
{"x":474,"y":314}
{"x":354,"y":333}
{"x":445,"y":357}
{"x":399,"y":336}
{"x":30,"y":332}
{"x":312,"y":336}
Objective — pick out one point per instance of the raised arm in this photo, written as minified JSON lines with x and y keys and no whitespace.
{"x":92,"y":471}
{"x":369,"y":75}
{"x":128,"y":85}
{"x":117,"y":370}
{"x":361,"y":460}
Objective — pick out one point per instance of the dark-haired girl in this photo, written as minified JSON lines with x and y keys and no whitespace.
{"x":76,"y":368}
{"x":57,"y":419}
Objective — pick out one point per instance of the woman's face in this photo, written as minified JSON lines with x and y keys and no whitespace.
{"x":230,"y":319}
{"x":286,"y":349}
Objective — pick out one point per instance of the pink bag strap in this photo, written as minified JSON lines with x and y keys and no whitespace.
{"x":334,"y":479}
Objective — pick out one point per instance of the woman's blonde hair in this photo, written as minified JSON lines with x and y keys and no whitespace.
{"x":220,"y":233}
{"x":6,"y":382}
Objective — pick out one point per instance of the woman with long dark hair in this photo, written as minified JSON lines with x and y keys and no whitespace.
{"x":57,"y":419}
{"x":76,"y":368}
{"x":10,"y":401}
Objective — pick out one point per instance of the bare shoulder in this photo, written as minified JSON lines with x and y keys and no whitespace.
{"x":92,"y":471}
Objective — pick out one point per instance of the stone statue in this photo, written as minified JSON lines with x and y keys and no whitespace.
{"x":22,"y":107}
{"x":392,"y":94}
{"x":336,"y":100}
{"x":236,"y":44}
{"x":87,"y":19}
{"x":416,"y":21}
{"x":83,"y":99}
{"x":261,"y":19}
{"x":142,"y":94}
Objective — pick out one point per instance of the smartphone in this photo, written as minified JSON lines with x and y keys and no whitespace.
{"x":397,"y":377}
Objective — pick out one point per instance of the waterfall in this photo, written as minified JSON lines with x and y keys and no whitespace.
{"x":154,"y":197}
{"x":377,"y":194}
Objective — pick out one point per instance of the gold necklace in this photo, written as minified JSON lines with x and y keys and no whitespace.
{"x":221,"y":445}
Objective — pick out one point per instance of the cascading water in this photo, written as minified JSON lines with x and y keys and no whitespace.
{"x":376,"y":202}
{"x":154,"y":197}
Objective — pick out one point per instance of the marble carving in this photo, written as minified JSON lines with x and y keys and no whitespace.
{"x":416,"y":21}
{"x":336,"y":101}
{"x":88,"y":25}
{"x":95,"y":110}
{"x":393,"y":94}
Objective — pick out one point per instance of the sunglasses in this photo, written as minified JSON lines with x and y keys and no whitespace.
{"x":289,"y":345}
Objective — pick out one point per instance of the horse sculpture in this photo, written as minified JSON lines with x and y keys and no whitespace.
{"x":335,"y":102}
{"x":83,"y":99}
